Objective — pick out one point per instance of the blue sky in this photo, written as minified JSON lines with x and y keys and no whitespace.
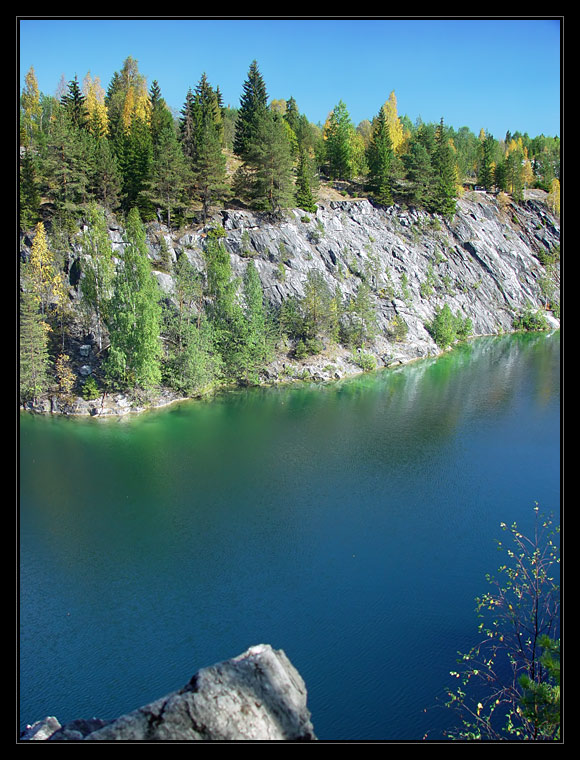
{"x":500,"y":75}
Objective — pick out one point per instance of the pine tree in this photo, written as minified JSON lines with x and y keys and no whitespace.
{"x":253,"y":104}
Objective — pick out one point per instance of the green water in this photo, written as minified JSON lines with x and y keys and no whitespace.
{"x":350,"y":525}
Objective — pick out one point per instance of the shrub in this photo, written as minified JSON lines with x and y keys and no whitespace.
{"x":447,"y":327}
{"x":90,"y":389}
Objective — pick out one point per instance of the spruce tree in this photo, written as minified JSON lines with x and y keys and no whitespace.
{"x":304,"y":182}
{"x":419,"y":172}
{"x":444,"y":175}
{"x":74,"y":103}
{"x":380,"y":159}
{"x":269,"y":165}
{"x":485,"y":167}
{"x":253,"y":104}
{"x":338,"y":133}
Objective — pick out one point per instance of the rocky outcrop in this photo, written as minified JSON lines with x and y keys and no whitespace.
{"x":486,"y":264}
{"x":257,"y":696}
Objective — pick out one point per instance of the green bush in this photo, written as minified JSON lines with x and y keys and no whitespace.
{"x":447,"y":327}
{"x":529,"y":320}
{"x":366,"y":362}
{"x":90,"y":389}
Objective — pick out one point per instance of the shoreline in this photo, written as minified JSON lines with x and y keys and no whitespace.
{"x":121,"y":404}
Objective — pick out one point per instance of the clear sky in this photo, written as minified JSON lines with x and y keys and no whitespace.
{"x":497,"y":74}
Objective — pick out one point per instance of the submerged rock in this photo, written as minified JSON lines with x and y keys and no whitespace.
{"x":258,"y":695}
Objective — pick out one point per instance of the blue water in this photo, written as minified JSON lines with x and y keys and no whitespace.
{"x":350,"y":525}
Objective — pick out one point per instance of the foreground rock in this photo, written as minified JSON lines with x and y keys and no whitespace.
{"x":258,"y":695}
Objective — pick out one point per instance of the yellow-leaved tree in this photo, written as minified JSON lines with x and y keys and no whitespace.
{"x":553,"y":198}
{"x":31,"y":108}
{"x":98,"y":118}
{"x":41,"y":273}
{"x":396,"y":130}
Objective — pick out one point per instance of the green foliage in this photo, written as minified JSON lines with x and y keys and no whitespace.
{"x":366,"y":362}
{"x":134,"y":318}
{"x":446,"y":327}
{"x":530,"y":320}
{"x":34,"y":356}
{"x":90,"y":389}
{"x":380,"y":160}
{"x":398,"y":328}
{"x":509,"y":682}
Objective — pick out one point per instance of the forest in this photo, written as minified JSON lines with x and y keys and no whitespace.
{"x":88,"y":154}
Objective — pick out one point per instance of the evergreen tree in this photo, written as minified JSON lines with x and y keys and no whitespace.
{"x":105,"y":176}
{"x":304,"y":182}
{"x":269,"y":165}
{"x":135,"y":315}
{"x":134,"y":151}
{"x":65,"y":163}
{"x":74,"y":103}
{"x":253,"y":105}
{"x":161,"y":119}
{"x":209,"y":166}
{"x":187,"y":133}
{"x":444,"y":175}
{"x":485,"y":176}
{"x":167,"y":187}
{"x":380,"y":159}
{"x":338,"y":135}
{"x":208,"y":161}
{"x":419,"y":174}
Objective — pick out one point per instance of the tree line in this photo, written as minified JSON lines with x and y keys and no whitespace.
{"x":124,"y":149}
{"x":89,"y":153}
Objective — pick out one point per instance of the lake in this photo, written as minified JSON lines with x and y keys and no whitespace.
{"x":349,"y":524}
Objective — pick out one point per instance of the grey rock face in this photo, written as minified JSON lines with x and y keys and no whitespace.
{"x":258,"y":695}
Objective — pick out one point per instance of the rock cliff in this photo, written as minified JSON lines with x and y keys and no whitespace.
{"x":485,"y":264}
{"x":257,"y":696}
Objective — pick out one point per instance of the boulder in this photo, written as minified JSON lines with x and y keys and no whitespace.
{"x":258,"y":696}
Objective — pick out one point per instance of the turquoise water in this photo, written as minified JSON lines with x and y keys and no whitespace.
{"x":350,"y":525}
